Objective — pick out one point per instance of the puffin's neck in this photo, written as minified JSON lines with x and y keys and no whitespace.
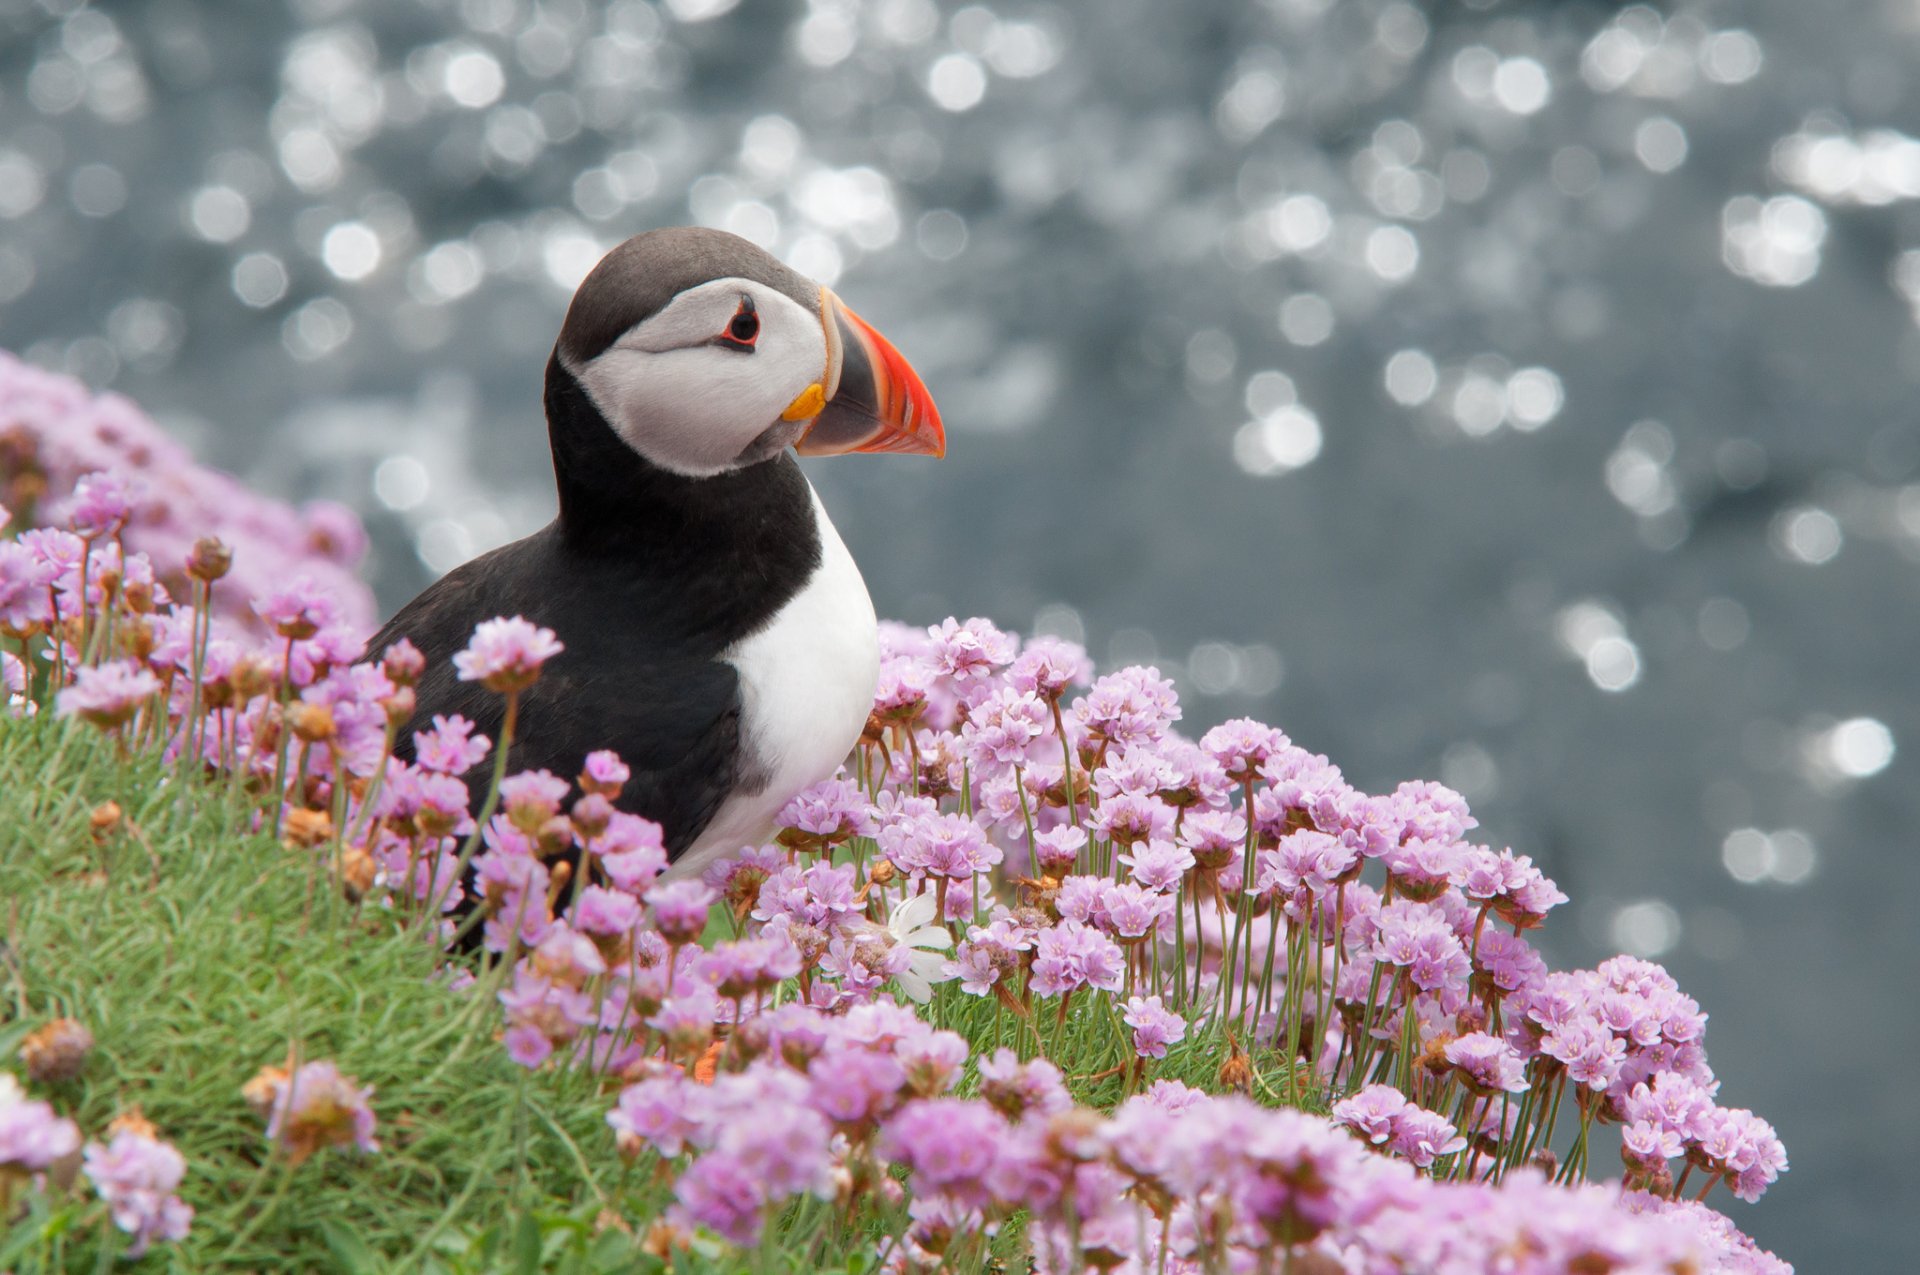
{"x":748,"y":536}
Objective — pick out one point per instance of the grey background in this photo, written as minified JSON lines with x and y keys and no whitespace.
{"x":241,"y":215}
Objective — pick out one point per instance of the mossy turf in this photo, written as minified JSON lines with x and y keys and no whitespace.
{"x":198,"y":953}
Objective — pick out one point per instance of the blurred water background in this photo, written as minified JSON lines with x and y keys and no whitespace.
{"x":1514,"y":394}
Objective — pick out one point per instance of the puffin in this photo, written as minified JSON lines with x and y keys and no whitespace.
{"x":717,"y":634}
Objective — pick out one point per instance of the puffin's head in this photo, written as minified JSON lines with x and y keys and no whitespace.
{"x":705,"y":355}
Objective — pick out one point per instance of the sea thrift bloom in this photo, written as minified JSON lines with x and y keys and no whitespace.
{"x":656,"y":1113}
{"x":1159,"y":865}
{"x":1001,"y":729}
{"x":1014,"y":1088}
{"x":1418,"y":939}
{"x":969,"y":651}
{"x":137,"y":1175}
{"x":1215,"y":838}
{"x":505,"y":655}
{"x":451,"y":747}
{"x":632,"y":851}
{"x":948,"y":1144}
{"x":1047,"y":666}
{"x":939,"y":845}
{"x":1742,"y":1148}
{"x":313,"y":1108}
{"x":1057,"y":850}
{"x":107,"y":695}
{"x":829,"y":813}
{"x":1133,"y":705}
{"x":1422,"y":1136}
{"x":1154,"y":1026}
{"x":299,"y":609}
{"x":680,"y":909}
{"x":532,"y":797}
{"x":31,"y":1136}
{"x":1242,"y":746}
{"x":1132,"y":911}
{"x":604,"y":773}
{"x":1487,"y":1064}
{"x":1373,"y":1113}
{"x":100,"y":505}
{"x":1072,"y":955}
{"x":25,"y":577}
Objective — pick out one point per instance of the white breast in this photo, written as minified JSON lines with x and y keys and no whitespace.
{"x":806,"y":684}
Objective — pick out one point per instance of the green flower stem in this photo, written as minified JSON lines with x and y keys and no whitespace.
{"x":492,"y":803}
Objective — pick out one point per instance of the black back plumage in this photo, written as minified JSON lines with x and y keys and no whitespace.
{"x":647,"y":577}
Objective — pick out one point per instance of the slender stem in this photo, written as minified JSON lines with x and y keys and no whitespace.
{"x":487,"y":807}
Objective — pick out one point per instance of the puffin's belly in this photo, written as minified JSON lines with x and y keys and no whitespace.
{"x":806,"y":687}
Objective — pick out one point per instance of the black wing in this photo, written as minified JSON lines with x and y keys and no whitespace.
{"x":671,"y":713}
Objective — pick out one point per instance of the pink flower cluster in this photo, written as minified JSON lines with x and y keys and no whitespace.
{"x":1229,"y":898}
{"x":134,"y":1173}
{"x":833,"y":1106}
{"x":54,"y":433}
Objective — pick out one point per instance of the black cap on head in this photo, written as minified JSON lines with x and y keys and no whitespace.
{"x":639,"y":277}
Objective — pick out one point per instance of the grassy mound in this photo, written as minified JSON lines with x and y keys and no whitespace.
{"x":196,"y":955}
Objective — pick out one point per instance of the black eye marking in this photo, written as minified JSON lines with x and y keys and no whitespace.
{"x":743,"y":329}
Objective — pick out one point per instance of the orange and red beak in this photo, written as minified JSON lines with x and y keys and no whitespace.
{"x":873,"y":399}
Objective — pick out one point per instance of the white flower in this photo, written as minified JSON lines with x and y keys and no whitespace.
{"x":910,"y":923}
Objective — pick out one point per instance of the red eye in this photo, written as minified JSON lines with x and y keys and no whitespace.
{"x":743,"y":329}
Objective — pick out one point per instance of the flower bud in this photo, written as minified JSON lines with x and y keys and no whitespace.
{"x":310,"y":723}
{"x":139,"y":637}
{"x":210,"y":559}
{"x":305,"y":828}
{"x":881,"y":872}
{"x":57,"y":1051}
{"x":591,"y":814}
{"x":554,"y":837}
{"x":105,"y":820}
{"x":135,"y":1121}
{"x":431,"y":821}
{"x":403,"y":664}
{"x":357,"y":871}
{"x":399,"y":707}
{"x":252,"y":677}
{"x":1236,"y":1073}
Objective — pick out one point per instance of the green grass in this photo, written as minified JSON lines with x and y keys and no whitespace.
{"x":195,"y":954}
{"x":184,"y":950}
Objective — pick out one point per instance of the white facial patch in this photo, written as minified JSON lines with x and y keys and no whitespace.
{"x":688,"y":402}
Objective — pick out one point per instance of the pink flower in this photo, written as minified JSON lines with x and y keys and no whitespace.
{"x":1154,"y":1026}
{"x":25,"y":577}
{"x":451,"y":747}
{"x":604,"y":773}
{"x":1373,"y":1113}
{"x":1071,"y":955}
{"x":315,"y":1107}
{"x":1242,"y":746}
{"x":31,"y":1136}
{"x":1423,"y":1136}
{"x":505,"y":655}
{"x":298,"y":609}
{"x":1048,"y":666}
{"x":107,"y":695}
{"x":1487,"y":1064}
{"x":100,"y":505}
{"x":137,"y":1175}
{"x":680,"y":909}
{"x":969,"y":651}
